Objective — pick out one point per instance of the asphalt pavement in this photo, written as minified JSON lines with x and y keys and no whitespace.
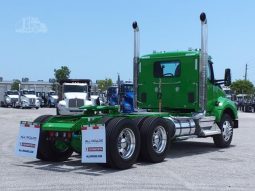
{"x":195,"y":164}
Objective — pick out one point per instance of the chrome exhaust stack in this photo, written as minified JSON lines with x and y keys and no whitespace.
{"x":135,"y":62}
{"x":206,"y":125}
{"x":203,"y":64}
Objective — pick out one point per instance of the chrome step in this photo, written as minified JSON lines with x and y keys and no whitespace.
{"x":207,"y":133}
{"x":185,"y":137}
{"x":207,"y":122}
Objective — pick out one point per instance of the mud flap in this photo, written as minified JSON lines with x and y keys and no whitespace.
{"x":93,"y":144}
{"x":28,"y":139}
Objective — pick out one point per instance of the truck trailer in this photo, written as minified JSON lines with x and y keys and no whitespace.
{"x":176,"y":97}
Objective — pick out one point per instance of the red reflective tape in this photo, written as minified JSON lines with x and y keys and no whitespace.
{"x":26,"y":125}
{"x":51,"y":133}
{"x":69,"y":135}
{"x":37,"y":126}
{"x":84,"y":128}
{"x":95,"y":127}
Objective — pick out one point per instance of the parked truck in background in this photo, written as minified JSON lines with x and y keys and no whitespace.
{"x":11,"y":98}
{"x":126,"y":97}
{"x":122,"y":95}
{"x":176,"y":97}
{"x":52,"y":99}
{"x":229,"y":93}
{"x":73,"y":94}
{"x":28,"y":99}
{"x":41,"y":96}
{"x":245,"y":102}
{"x":112,"y":95}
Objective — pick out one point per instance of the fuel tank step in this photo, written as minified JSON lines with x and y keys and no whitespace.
{"x":208,"y":133}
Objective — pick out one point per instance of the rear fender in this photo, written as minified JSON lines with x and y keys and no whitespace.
{"x":69,"y":123}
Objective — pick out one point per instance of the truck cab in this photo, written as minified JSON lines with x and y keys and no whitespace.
{"x":121,"y":95}
{"x":246,"y":103}
{"x":112,"y":95}
{"x":11,"y":98}
{"x":229,"y":93}
{"x":126,"y":95}
{"x":73,"y":95}
{"x":169,"y":82}
{"x":52,"y":99}
{"x":28,"y":99}
{"x":41,"y":97}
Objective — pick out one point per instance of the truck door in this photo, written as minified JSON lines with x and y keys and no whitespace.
{"x":177,"y":83}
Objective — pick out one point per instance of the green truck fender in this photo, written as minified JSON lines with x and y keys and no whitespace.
{"x":225,"y":105}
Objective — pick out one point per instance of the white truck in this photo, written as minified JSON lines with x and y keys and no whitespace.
{"x":28,"y":99}
{"x":52,"y":99}
{"x":229,"y":93}
{"x":11,"y":98}
{"x":74,"y":93}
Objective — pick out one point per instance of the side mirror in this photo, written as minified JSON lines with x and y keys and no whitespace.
{"x":227,"y":79}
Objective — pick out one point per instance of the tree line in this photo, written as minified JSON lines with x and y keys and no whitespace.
{"x":63,"y":73}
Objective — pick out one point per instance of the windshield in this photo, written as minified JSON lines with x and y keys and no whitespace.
{"x":228,"y":91}
{"x":12,"y":93}
{"x":25,"y":92}
{"x":127,"y":88}
{"x":112,"y":90}
{"x":94,"y":93}
{"x":74,"y":88}
{"x":52,"y":93}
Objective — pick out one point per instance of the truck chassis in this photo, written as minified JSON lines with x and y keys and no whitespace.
{"x":143,"y":134}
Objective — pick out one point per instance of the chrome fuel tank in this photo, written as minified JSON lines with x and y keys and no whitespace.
{"x":183,"y":126}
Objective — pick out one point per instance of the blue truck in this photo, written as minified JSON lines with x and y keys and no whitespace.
{"x":122,"y":95}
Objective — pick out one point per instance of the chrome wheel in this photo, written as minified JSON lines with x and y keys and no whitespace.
{"x":227,"y":130}
{"x":159,"y":139}
{"x":126,"y":143}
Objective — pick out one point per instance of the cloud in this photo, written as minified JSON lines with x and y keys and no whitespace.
{"x":31,"y":25}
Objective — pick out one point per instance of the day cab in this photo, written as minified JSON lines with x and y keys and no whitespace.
{"x":169,"y":82}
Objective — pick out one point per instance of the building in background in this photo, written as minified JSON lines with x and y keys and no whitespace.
{"x":38,"y":86}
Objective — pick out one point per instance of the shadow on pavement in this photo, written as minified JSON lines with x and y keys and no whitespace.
{"x":177,"y":150}
{"x":72,"y":165}
{"x":189,"y":148}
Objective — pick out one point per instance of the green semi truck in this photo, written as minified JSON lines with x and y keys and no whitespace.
{"x":176,"y":97}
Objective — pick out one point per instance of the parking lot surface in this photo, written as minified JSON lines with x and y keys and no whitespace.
{"x":194,"y":164}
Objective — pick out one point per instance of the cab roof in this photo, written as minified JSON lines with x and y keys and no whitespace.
{"x":171,"y":54}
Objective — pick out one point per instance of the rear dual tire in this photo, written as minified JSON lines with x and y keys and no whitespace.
{"x":125,"y":137}
{"x":156,"y":133}
{"x":122,"y":143}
